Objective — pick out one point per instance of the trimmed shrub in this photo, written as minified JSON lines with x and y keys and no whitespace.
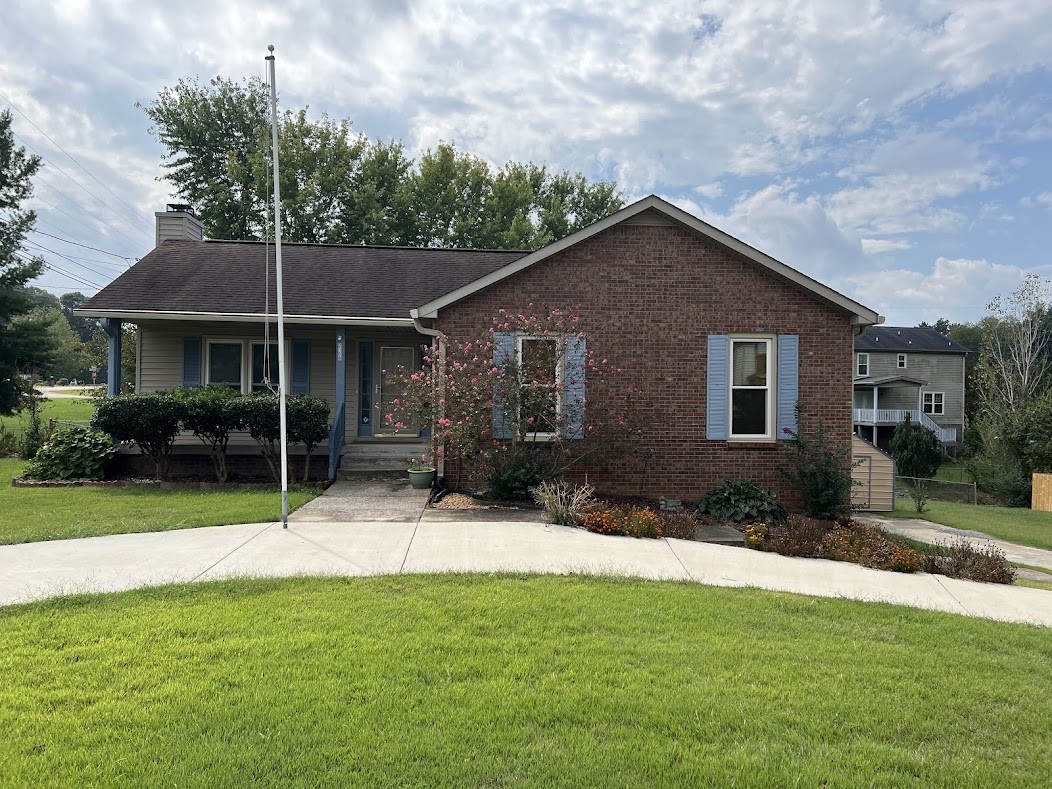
{"x":308,"y":424}
{"x":516,"y":468}
{"x":961,"y":559}
{"x":563,"y":503}
{"x":741,"y":501}
{"x":72,"y":452}
{"x":620,"y":520}
{"x":261,"y":418}
{"x":149,"y":421}
{"x":212,"y":414}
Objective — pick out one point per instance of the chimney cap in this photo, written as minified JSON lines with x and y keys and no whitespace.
{"x":183,"y":207}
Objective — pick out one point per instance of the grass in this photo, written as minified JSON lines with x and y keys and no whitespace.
{"x":1014,"y":524}
{"x":952,"y":471}
{"x":33,"y":514}
{"x":1046,"y":585}
{"x":59,"y":408}
{"x":515,"y":681}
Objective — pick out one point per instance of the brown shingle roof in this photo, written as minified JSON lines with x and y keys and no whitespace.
{"x":319,"y":279}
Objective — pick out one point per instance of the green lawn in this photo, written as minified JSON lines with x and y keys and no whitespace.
{"x":1015,"y":524}
{"x":952,"y":471}
{"x":515,"y":681}
{"x":32,"y":514}
{"x":60,"y":408}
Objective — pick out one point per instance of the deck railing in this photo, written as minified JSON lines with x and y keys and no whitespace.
{"x":336,"y":436}
{"x":892,"y":416}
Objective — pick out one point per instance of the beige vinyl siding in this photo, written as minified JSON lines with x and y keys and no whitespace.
{"x":160,"y":363}
{"x":874,"y":472}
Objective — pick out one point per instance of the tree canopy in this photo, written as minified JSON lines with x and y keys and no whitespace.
{"x":341,"y":187}
{"x":25,"y":343}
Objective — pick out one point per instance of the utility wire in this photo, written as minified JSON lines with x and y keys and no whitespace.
{"x":77,"y":219}
{"x":71,"y":260}
{"x":72,"y":159}
{"x":63,"y":272}
{"x":85,"y":246}
{"x":88,"y":211}
{"x":121,"y":265}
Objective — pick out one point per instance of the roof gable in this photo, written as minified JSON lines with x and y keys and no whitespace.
{"x":651,"y":210}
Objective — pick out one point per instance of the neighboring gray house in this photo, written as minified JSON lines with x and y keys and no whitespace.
{"x":913,"y":372}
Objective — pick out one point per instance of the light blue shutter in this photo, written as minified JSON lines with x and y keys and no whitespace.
{"x":716,"y":387}
{"x":788,"y":383}
{"x":574,"y":360}
{"x":300,"y":366}
{"x":191,"y":361}
{"x":503,"y":353}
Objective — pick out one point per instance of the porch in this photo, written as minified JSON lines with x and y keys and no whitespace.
{"x":902,"y":397}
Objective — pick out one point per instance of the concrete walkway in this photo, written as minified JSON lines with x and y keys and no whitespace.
{"x":440,"y":541}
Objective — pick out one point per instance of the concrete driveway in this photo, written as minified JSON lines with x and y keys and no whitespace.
{"x":440,"y":541}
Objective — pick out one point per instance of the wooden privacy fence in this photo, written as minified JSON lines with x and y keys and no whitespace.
{"x":1042,"y":496}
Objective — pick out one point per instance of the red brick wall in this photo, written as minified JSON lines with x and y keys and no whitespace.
{"x":648,"y":297}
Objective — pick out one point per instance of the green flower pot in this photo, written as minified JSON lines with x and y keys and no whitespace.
{"x":423,"y":479}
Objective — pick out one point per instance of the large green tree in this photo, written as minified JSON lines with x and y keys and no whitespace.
{"x":24,"y":342}
{"x":341,"y":187}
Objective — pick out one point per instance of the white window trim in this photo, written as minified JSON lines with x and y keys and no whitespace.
{"x":925,"y":403}
{"x":900,"y":361}
{"x":247,"y":387}
{"x":547,"y":435}
{"x":770,"y":387}
{"x":209,"y":342}
{"x":859,"y":363}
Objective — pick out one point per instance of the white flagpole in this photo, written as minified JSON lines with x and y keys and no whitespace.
{"x":281,"y":305}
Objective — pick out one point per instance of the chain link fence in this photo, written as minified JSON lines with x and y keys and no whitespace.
{"x":938,"y":489}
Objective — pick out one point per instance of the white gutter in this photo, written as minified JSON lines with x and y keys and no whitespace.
{"x":240,"y":317}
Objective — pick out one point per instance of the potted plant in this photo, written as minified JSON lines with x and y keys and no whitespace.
{"x":421,"y":472}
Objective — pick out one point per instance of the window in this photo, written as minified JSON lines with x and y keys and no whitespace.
{"x":224,"y":364}
{"x":540,"y":370}
{"x":863,"y":365}
{"x":902,"y":361}
{"x":933,"y":403}
{"x":265,"y":363}
{"x":750,"y":410}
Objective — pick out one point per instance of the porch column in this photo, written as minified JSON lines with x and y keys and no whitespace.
{"x":875,"y":414}
{"x":339,"y":417}
{"x":113,"y":330}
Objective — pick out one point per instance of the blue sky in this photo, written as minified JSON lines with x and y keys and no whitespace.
{"x":899,"y":151}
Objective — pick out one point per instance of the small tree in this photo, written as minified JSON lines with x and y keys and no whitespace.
{"x":149,"y":421}
{"x":819,"y":470}
{"x":308,"y":418}
{"x":520,"y":412}
{"x":212,"y":414}
{"x":916,"y":450}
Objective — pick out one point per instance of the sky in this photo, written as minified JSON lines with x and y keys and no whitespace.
{"x":898,"y":151}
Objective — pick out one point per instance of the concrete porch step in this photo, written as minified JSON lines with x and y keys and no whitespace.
{"x":375,"y":457}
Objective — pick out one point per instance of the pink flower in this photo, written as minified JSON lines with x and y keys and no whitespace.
{"x":399,"y":426}
{"x":786,"y":430}
{"x":444,"y":422}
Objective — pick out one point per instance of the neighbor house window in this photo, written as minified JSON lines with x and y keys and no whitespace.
{"x":751,"y":389}
{"x":933,"y":403}
{"x":863,"y":365}
{"x":265,"y":366}
{"x":540,"y":371}
{"x":902,"y":361}
{"x":224,"y":364}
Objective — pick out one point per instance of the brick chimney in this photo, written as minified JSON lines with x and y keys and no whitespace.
{"x":178,"y":223}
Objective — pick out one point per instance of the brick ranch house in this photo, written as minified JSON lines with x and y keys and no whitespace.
{"x":725,"y":338}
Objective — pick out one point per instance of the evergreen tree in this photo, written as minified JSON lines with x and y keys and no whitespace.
{"x":24,"y":342}
{"x":916,"y":450}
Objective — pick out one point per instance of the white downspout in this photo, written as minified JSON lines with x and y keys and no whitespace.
{"x":435,"y":335}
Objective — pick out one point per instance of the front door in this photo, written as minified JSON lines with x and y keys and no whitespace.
{"x":389,"y":360}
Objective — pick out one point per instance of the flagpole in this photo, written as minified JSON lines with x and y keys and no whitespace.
{"x":281,"y":305}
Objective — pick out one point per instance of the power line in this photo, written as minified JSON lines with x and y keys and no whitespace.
{"x":88,"y":211}
{"x":85,"y":246}
{"x":122,"y":265}
{"x":70,"y":157}
{"x":63,"y":272}
{"x":71,"y":260}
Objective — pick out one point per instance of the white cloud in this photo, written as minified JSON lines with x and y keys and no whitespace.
{"x":1045,"y":199}
{"x":955,"y":288}
{"x":875,"y":246}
